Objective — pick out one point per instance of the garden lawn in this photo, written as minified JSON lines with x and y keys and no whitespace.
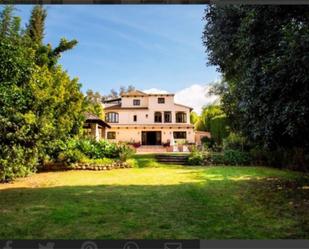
{"x":157,"y":201}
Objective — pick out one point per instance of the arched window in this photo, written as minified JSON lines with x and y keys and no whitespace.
{"x":112,"y":117}
{"x":181,"y":117}
{"x":158,"y":117}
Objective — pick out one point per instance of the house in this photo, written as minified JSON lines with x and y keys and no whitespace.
{"x":148,"y":119}
{"x":94,"y":126}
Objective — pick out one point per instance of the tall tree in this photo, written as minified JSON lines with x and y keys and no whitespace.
{"x":36,"y":26}
{"x":40,"y":107}
{"x":262,"y":52}
{"x":94,"y":103}
{"x":45,"y":54}
{"x":9,"y":24}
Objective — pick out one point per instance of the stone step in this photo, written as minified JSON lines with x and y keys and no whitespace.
{"x":172,"y":159}
{"x":156,"y":149}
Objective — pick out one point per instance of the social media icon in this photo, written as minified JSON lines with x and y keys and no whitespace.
{"x":130,"y":245}
{"x":49,"y":245}
{"x":8,"y":245}
{"x":172,"y":245}
{"x":89,"y":245}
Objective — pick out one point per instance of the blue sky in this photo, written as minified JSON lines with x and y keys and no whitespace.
{"x":148,"y":46}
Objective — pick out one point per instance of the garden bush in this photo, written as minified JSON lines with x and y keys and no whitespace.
{"x":97,"y":149}
{"x":17,"y":161}
{"x":295,"y":159}
{"x":81,"y":150}
{"x":229,"y":157}
{"x":125,"y":151}
{"x":236,"y":157}
{"x":70,"y":156}
{"x":196,"y":158}
{"x":216,"y":159}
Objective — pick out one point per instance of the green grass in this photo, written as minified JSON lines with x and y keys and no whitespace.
{"x":157,"y":201}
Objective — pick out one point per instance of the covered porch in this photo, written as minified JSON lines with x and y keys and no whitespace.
{"x":95,"y":127}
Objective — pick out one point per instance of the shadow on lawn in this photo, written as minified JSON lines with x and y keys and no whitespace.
{"x":246,"y":209}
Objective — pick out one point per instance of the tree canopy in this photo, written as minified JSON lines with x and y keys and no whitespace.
{"x":40,"y":105}
{"x":262,"y":53}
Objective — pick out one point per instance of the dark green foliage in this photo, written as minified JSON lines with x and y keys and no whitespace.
{"x":296,"y":159}
{"x":262,"y":52}
{"x":208,"y":142}
{"x":219,"y":128}
{"x":230,"y":157}
{"x":236,"y":157}
{"x":235,"y":142}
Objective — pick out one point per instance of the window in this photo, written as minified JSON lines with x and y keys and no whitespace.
{"x":167,"y":117}
{"x":134,"y":118}
{"x":180,"y":135}
{"x":161,"y":100}
{"x":111,"y":135}
{"x":158,"y":117}
{"x":136,"y":102}
{"x":112,"y":117}
{"x":181,"y":117}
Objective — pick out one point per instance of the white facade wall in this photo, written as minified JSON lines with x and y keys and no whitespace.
{"x":127,"y":130}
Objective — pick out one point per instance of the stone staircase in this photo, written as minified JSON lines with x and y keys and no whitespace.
{"x":172,"y":159}
{"x":144,"y":149}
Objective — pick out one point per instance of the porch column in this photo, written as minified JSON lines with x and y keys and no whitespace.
{"x":95,"y":131}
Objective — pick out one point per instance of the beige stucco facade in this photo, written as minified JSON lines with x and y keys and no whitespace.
{"x":148,"y":118}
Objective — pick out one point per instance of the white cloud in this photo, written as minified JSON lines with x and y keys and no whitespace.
{"x":155,"y":90}
{"x":195,"y":96}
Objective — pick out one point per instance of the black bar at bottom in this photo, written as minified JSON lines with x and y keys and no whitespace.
{"x":99,"y":244}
